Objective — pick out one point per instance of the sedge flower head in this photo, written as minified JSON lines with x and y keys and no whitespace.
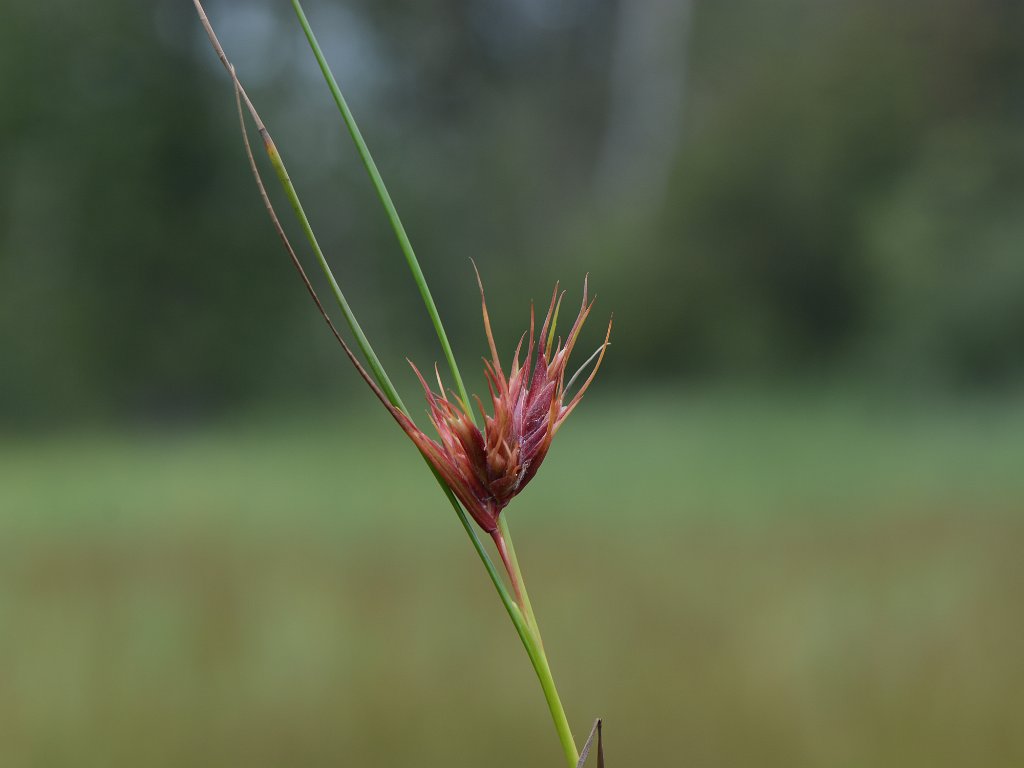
{"x":487,"y":468}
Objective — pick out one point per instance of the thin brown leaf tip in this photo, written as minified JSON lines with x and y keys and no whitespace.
{"x":487,"y":469}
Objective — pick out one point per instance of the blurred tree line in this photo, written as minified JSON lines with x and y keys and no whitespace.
{"x":758,"y":190}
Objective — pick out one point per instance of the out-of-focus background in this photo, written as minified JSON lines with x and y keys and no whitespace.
{"x":785,"y":526}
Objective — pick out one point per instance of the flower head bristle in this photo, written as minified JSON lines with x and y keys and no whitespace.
{"x":487,"y":468}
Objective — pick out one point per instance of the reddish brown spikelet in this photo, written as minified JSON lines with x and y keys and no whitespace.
{"x":487,"y":469}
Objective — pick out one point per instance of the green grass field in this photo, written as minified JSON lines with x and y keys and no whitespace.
{"x":729,"y":581}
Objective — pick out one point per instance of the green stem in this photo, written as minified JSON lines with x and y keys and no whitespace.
{"x":293,"y":197}
{"x":382,"y":379}
{"x":496,"y":579}
{"x":535,"y":650}
{"x":534,"y":642}
{"x":526,"y":628}
{"x":377,"y":369}
{"x":526,"y":625}
{"x":547,"y":682}
{"x":389,"y":206}
{"x":364,"y":344}
{"x":516,"y":574}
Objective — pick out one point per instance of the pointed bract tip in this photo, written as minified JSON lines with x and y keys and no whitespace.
{"x":487,"y":467}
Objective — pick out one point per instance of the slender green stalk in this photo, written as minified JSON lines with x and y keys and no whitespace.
{"x":364,"y":344}
{"x":517,"y":574}
{"x":538,"y":656}
{"x":377,"y":369}
{"x":535,"y":650}
{"x":525,"y":625}
{"x":293,"y":197}
{"x":386,"y":201}
{"x":381,"y":376}
{"x":499,"y":584}
{"x":547,"y":683}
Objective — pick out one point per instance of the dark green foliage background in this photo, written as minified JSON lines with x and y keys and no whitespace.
{"x":842,"y":196}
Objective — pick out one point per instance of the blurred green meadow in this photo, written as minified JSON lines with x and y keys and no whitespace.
{"x":728,"y":579}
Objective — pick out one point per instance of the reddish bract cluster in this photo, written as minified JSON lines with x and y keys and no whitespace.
{"x":486,"y":470}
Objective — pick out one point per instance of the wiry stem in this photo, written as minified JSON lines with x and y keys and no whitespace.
{"x":282,"y":173}
{"x":535,"y":647}
{"x":513,"y":575}
{"x":385,"y":199}
{"x":519,"y":610}
{"x":531,"y":638}
{"x":547,"y":683}
{"x":380,"y":378}
{"x":516,"y":574}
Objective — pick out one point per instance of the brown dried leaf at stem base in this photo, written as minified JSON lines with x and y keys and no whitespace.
{"x":585,"y":753}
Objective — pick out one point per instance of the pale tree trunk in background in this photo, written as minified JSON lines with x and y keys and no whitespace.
{"x":645,"y":106}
